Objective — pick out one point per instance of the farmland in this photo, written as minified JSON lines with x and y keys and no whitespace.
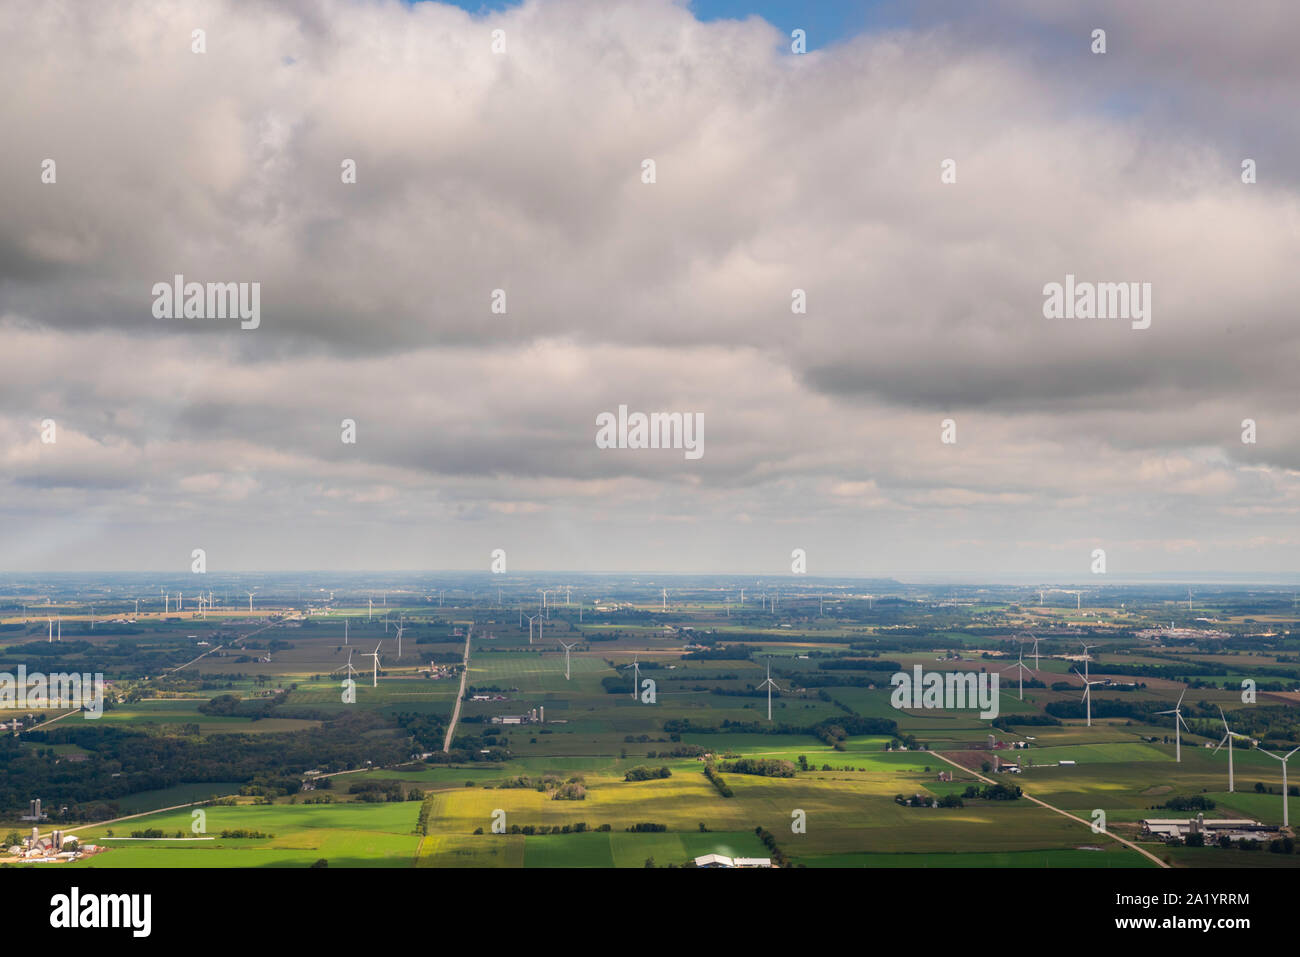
{"x":237,"y":740}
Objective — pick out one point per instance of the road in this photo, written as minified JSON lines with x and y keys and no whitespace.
{"x":1129,"y":844}
{"x":460,"y":695}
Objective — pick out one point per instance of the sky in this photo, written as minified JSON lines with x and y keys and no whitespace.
{"x":522,"y":169}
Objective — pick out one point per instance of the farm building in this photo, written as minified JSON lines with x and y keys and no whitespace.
{"x":1236,"y":829}
{"x":721,"y":860}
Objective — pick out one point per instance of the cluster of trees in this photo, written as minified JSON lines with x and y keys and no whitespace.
{"x":681,"y":751}
{"x":769,"y":841}
{"x":1196,"y":802}
{"x":579,"y":828}
{"x":764,"y":767}
{"x":993,"y":792}
{"x":121,"y":761}
{"x":380,"y":792}
{"x":716,"y":780}
{"x":643,"y":773}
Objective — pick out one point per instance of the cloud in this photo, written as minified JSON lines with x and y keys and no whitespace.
{"x":521,"y":171}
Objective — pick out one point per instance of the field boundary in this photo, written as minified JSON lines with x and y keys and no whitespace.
{"x":1129,"y":844}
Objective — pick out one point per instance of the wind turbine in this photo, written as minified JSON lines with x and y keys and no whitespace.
{"x":769,"y":684}
{"x":59,"y":635}
{"x":567,"y":648}
{"x":1087,"y":694}
{"x":665,"y":604}
{"x":1086,"y":658}
{"x":345,"y":632}
{"x":370,"y":608}
{"x":250,"y":602}
{"x":1021,"y":669}
{"x":51,"y":621}
{"x":374,"y":674}
{"x":1035,"y":637}
{"x":351,"y":671}
{"x":1229,"y":734}
{"x":1286,"y":819}
{"x":400,"y":628}
{"x":1177,"y":712}
{"x":531,"y":619}
{"x":636,"y":677}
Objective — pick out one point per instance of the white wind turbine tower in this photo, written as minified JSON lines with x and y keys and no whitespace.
{"x":1019,"y":664}
{"x":250,"y":602}
{"x":636,"y":676}
{"x":59,"y":636}
{"x":1177,"y":712}
{"x":1286,"y":818}
{"x":769,"y":684}
{"x":370,"y":608}
{"x":374,"y":674}
{"x":167,"y":603}
{"x":1086,"y":658}
{"x":51,"y":621}
{"x":665,"y":604}
{"x":742,"y":598}
{"x":567,"y":649}
{"x":400,"y":628}
{"x":531,"y":619}
{"x":345,"y":632}
{"x":1087,"y":694}
{"x":1035,"y":638}
{"x":1229,"y":734}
